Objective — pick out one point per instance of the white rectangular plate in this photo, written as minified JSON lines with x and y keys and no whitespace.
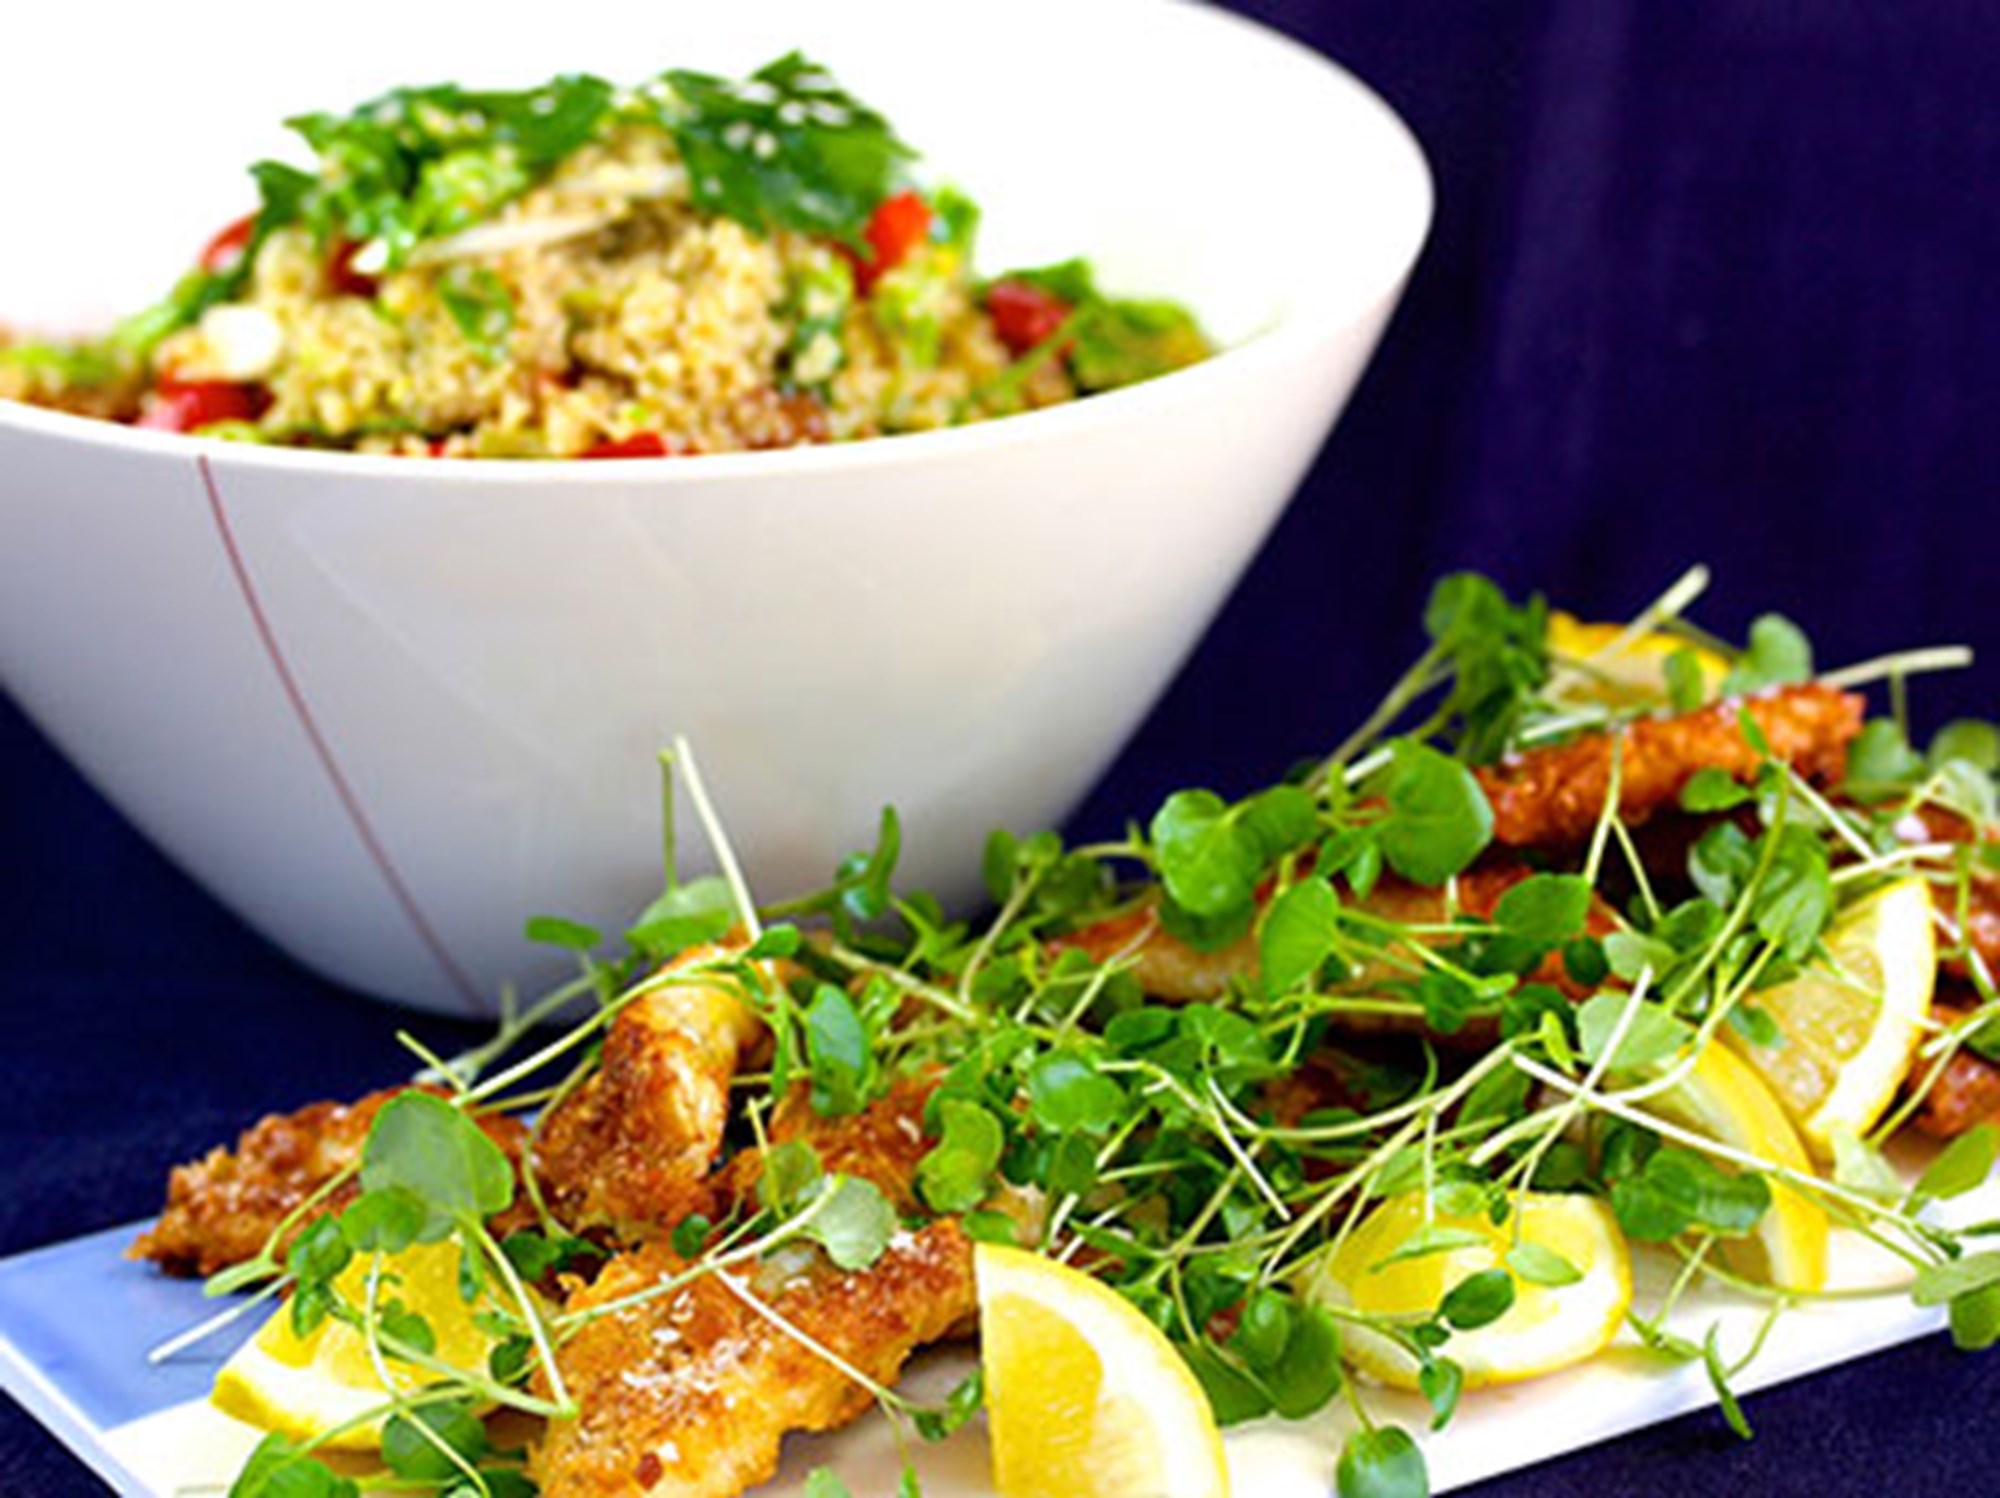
{"x":76,"y":1320}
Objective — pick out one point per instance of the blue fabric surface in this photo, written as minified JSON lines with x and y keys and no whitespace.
{"x":1708,"y":282}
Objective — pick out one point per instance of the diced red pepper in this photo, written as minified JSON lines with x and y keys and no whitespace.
{"x":187,"y":405}
{"x":639,"y":445}
{"x":223,"y":251}
{"x":898,"y":225}
{"x":1023,"y":314}
{"x":341,"y":276}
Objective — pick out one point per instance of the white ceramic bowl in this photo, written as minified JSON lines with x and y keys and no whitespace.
{"x":385,"y":709}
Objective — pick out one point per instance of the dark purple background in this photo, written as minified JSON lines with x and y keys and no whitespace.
{"x":1709,"y":282}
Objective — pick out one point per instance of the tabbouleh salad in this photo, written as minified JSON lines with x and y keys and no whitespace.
{"x":695,"y":265}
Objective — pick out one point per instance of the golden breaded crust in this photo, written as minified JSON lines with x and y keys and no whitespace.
{"x":691,"y":1394}
{"x":631,"y":1148}
{"x":1553,"y":797}
{"x":223,"y":1208}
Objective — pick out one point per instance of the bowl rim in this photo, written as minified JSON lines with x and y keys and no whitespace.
{"x":1311,"y":322}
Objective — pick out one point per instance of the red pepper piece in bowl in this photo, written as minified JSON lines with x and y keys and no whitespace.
{"x":1024,"y":316}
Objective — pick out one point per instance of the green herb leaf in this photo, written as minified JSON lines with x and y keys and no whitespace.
{"x":1538,"y":1264}
{"x":1967,"y":741}
{"x":957,"y":1174}
{"x":1067,"y":1095}
{"x":786,"y":148}
{"x":1545,"y":908}
{"x":1299,"y":934}
{"x":1936,"y":1284}
{"x":415,"y":1441}
{"x":1439,"y":819}
{"x":1382,"y":1462}
{"x":856,"y":1223}
{"x":554,"y":931}
{"x":1963,"y":1165}
{"x":687,"y":915}
{"x":839,"y":1055}
{"x":1778,"y":655}
{"x":1441,"y":1381}
{"x":1478,"y":1300}
{"x":1711,"y":790}
{"x":424,"y":1145}
{"x":1652,"y":1033}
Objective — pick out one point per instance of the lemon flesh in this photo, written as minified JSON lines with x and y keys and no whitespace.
{"x":1085,"y":1398}
{"x":1548,"y":1327}
{"x":1724,"y":1100}
{"x":1609,"y":665}
{"x":1849,"y":1024}
{"x":302,"y":1387}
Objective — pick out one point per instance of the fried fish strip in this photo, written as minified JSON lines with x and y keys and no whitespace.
{"x":223,"y":1208}
{"x":1168,"y":968}
{"x":690,"y":1394}
{"x":630,"y":1149}
{"x":1552,"y":797}
{"x":883,"y":1144}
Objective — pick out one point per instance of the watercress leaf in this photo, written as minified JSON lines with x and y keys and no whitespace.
{"x":791,"y":1173}
{"x":1966,"y":741}
{"x":839,"y":1054}
{"x":423,"y":1144}
{"x":1546,"y":908}
{"x":1233,"y":1395}
{"x":1439,"y":819}
{"x":1975,"y":1318}
{"x":1382,"y":1462}
{"x":1687,"y":683}
{"x":1711,"y":789}
{"x":1427,"y":1240}
{"x":1651,"y":1033}
{"x":319,"y":1253}
{"x":1207,"y":861}
{"x":1756,"y":1025}
{"x":1939,"y":1284}
{"x":1727,"y":1202}
{"x":855,"y":1224}
{"x":554,"y":931}
{"x":1881,"y":762}
{"x":1298,"y":935}
{"x":1796,"y":899}
{"x":1539,"y":1264}
{"x":1962,"y":1165}
{"x":407,"y":1327}
{"x":701,"y":910}
{"x":1720,"y":861}
{"x":1778,"y":655}
{"x":1478,"y":1300}
{"x":277,"y":1469}
{"x":1068,"y":1095}
{"x":415,"y":1441}
{"x":1441,"y":1381}
{"x":781,"y":940}
{"x":1307,"y":1373}
{"x":957,"y":1174}
{"x":390,"y":1218}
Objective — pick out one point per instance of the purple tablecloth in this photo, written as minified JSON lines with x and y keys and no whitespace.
{"x":1714,"y":282}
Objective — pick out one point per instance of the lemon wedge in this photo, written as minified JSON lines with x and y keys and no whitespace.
{"x":1549,"y":1326}
{"x":1608,"y":664}
{"x":302,"y":1387}
{"x":1085,"y":1398}
{"x":1848,"y":1026}
{"x":1722,"y":1099}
